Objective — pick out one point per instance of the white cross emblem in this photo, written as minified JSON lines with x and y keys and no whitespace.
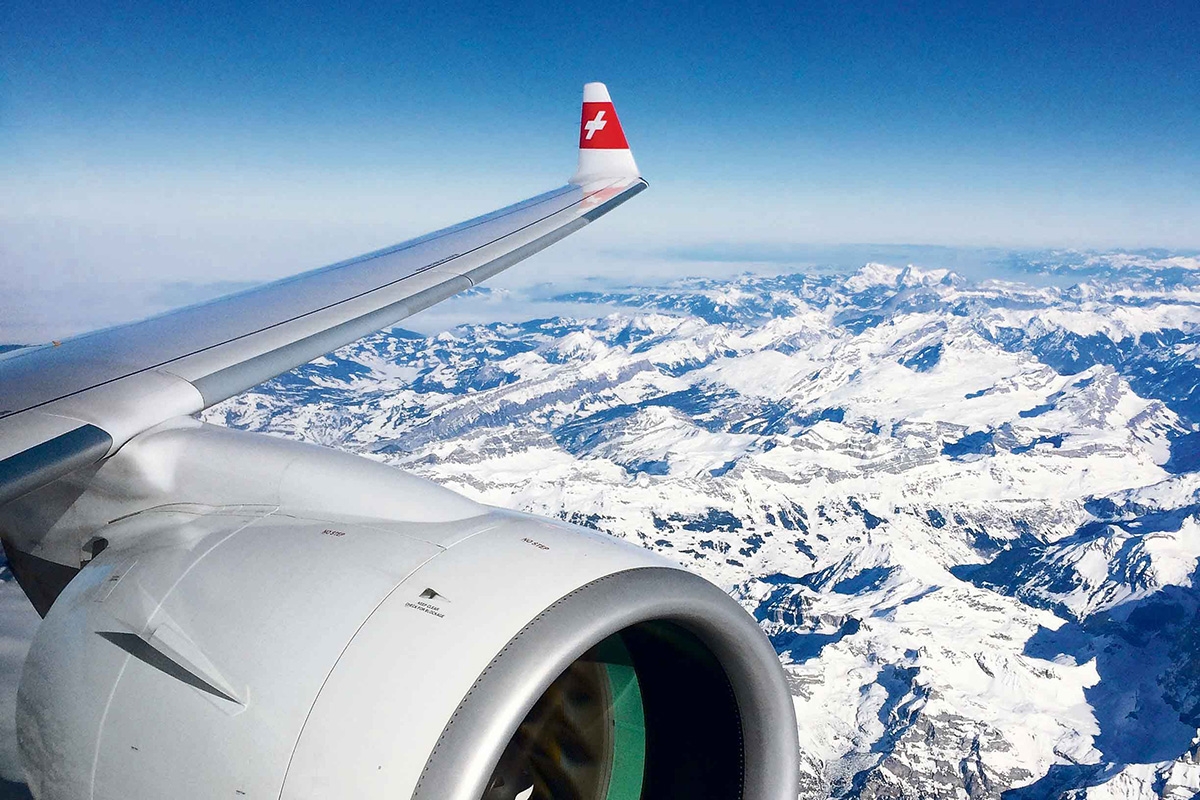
{"x":595,"y":124}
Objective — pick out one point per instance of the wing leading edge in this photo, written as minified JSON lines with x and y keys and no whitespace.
{"x":70,"y":404}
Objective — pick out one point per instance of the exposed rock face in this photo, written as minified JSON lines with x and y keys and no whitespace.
{"x":966,"y":515}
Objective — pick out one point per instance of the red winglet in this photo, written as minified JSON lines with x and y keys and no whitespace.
{"x":603,"y":151}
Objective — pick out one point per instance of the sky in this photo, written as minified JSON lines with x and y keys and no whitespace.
{"x":146,"y":148}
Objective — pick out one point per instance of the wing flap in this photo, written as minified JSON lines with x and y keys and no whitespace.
{"x":52,"y":458}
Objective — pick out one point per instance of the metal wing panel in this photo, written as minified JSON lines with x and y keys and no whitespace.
{"x":127,"y":379}
{"x":40,"y":375}
{"x":224,"y":371}
{"x":60,"y":403}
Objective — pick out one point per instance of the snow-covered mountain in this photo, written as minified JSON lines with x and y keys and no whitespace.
{"x":965,"y":513}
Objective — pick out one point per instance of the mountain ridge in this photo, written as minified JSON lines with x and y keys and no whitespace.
{"x":964,"y":512}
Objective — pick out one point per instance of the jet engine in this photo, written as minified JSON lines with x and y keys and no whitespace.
{"x":264,"y":619}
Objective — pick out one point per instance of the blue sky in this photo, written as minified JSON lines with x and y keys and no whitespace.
{"x":145,"y":142}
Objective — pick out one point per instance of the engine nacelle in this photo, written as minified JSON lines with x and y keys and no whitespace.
{"x":254,"y":651}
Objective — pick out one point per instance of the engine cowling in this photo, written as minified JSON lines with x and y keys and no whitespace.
{"x":253,"y":650}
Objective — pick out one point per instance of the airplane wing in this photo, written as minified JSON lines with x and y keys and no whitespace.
{"x":229,"y":614}
{"x":69,"y":404}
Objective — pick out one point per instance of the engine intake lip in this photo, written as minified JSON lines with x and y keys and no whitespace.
{"x":476,"y":735}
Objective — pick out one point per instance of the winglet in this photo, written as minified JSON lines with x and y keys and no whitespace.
{"x":603,"y":151}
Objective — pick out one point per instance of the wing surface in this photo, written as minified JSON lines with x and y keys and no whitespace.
{"x":71,"y":403}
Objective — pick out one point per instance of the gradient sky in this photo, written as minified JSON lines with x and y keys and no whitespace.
{"x":160,"y":142}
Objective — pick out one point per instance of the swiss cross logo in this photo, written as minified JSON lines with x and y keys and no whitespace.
{"x":594,"y":124}
{"x":599,"y":128}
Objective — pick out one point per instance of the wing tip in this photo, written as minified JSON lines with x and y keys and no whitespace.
{"x":604,"y":152}
{"x":596,"y":92}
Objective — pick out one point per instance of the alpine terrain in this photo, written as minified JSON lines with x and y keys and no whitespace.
{"x":966,"y":513}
